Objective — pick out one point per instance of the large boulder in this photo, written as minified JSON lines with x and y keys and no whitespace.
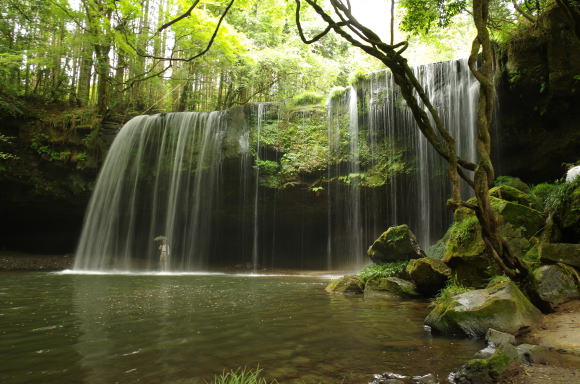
{"x":390,"y":286}
{"x":489,"y":370}
{"x":557,"y":283}
{"x":396,"y":244}
{"x":346,"y":285}
{"x":506,"y":192}
{"x":465,"y":253}
{"x":519,"y":215}
{"x":430,"y":275}
{"x":560,"y":253}
{"x":501,"y":306}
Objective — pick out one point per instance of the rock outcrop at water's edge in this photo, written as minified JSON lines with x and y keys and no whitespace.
{"x":501,"y":306}
{"x":347,"y":284}
{"x":430,"y":275}
{"x":391,"y":286}
{"x":395,"y":244}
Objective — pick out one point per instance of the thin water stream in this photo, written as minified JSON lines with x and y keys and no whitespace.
{"x":185,"y":329}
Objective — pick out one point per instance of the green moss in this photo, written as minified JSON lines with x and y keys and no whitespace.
{"x":542,"y":191}
{"x":515,"y":195}
{"x":465,"y":231}
{"x":513,"y":182}
{"x":518,"y":215}
{"x":393,"y":285}
{"x":307,"y":98}
{"x":358,"y":76}
{"x":488,"y":370}
{"x":337,"y":92}
{"x":346,"y":284}
{"x":395,"y":269}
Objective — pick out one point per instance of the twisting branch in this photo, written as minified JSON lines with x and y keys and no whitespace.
{"x":523,"y":12}
{"x":183,"y":16}
{"x":301,"y":32}
{"x":186,"y":14}
{"x":390,"y":54}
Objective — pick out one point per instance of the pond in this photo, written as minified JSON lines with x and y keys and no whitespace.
{"x":66,"y":328}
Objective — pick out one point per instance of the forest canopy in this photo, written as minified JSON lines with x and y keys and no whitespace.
{"x":122,"y":58}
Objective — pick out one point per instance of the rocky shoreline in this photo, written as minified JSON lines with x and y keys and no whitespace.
{"x":17,"y":261}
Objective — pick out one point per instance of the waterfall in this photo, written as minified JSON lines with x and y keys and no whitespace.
{"x":255,"y":244}
{"x":159,"y":179}
{"x":383,"y":124}
{"x":196,"y":180}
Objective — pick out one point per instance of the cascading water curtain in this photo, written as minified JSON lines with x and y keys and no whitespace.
{"x":415,"y":196}
{"x":156,"y":188}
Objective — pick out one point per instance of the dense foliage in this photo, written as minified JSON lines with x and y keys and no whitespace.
{"x":110,"y":54}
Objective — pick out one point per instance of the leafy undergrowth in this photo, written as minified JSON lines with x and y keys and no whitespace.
{"x":383,"y":270}
{"x":452,"y":288}
{"x":242,"y":376}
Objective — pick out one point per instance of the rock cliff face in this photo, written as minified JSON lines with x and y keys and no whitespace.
{"x":539,"y":100}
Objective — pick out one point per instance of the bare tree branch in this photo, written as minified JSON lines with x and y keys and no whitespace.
{"x":183,"y":16}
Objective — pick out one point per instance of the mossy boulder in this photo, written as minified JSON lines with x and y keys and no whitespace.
{"x":557,"y":283}
{"x":516,"y":214}
{"x":519,"y":215}
{"x":570,"y":220}
{"x":506,"y":192}
{"x":512,"y":182}
{"x":430,"y":275}
{"x":465,"y":253}
{"x":501,"y":306}
{"x":391,"y":285}
{"x":395,"y":244}
{"x":346,"y":285}
{"x":560,"y":253}
{"x":488,"y":370}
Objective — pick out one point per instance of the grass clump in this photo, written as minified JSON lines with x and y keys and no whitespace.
{"x":453,"y":288}
{"x":307,"y":98}
{"x":242,"y":376}
{"x":383,"y":270}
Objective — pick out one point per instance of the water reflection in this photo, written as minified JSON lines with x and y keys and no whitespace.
{"x":185,"y":329}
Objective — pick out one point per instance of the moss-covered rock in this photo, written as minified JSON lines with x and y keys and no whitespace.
{"x":391,"y":285}
{"x":430,"y":275}
{"x":560,"y":253}
{"x":465,"y":253}
{"x":509,"y":193}
{"x":395,"y":244}
{"x":346,"y":285}
{"x":501,"y":306}
{"x":519,"y":215}
{"x":557,"y":283}
{"x":489,"y":370}
{"x":516,"y":214}
{"x":512,"y":182}
{"x":570,"y":220}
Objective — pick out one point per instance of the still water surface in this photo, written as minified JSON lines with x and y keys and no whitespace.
{"x":185,"y":329}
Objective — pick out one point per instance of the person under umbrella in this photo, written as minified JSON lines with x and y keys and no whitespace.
{"x":164,"y":248}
